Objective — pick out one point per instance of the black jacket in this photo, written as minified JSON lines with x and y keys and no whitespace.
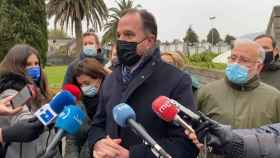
{"x":155,"y":79}
{"x":12,"y":81}
{"x":271,"y":74}
{"x":263,"y":142}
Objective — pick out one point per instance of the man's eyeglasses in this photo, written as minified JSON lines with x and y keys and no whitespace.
{"x":241,"y":60}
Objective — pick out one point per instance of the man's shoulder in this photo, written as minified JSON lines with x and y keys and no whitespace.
{"x":111,"y":77}
{"x":269,"y":89}
{"x":171,"y":71}
{"x":212,"y":86}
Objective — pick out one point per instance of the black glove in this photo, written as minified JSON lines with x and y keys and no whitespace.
{"x":220,"y":137}
{"x":23,"y":131}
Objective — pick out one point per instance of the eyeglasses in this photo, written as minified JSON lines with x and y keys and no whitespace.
{"x":241,"y":60}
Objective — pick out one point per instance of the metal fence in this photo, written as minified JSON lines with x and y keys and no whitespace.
{"x":195,"y":49}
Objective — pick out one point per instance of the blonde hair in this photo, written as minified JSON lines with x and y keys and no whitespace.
{"x":177,"y":59}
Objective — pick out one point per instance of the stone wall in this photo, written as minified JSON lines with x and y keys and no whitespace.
{"x":59,"y":59}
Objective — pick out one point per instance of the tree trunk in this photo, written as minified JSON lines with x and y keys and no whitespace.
{"x":78,"y":33}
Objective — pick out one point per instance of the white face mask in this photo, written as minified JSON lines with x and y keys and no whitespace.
{"x":89,"y":90}
{"x":90,"y":50}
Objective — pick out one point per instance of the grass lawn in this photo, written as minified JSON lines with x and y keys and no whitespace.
{"x":55,"y":75}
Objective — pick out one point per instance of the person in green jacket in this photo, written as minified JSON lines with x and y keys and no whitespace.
{"x":241,"y":99}
{"x":271,"y":71}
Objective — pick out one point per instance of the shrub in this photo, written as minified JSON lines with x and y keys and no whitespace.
{"x":204,"y":60}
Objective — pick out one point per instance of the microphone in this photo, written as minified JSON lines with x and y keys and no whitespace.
{"x":167,"y":110}
{"x":185,"y":110}
{"x":48,"y":112}
{"x":124,"y":116}
{"x":69,"y":121}
{"x":73,"y":89}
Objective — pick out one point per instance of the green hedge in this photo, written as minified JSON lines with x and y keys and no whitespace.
{"x":23,"y":21}
{"x":204,"y":60}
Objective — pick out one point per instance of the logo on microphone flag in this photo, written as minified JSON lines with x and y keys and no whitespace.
{"x":45,"y":114}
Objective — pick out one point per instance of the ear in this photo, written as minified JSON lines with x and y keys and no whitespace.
{"x":151,"y":39}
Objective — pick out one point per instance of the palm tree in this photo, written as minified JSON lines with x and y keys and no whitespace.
{"x":114,"y":16}
{"x":73,"y":12}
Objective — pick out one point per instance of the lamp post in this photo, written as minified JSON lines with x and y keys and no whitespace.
{"x":212,"y":18}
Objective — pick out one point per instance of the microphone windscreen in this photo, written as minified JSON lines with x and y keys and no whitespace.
{"x":60,"y":100}
{"x":164,"y":108}
{"x":70,"y":119}
{"x":121,"y":113}
{"x":73,"y":89}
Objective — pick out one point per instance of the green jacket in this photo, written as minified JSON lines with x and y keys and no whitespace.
{"x":248,"y":106}
{"x":271,"y":74}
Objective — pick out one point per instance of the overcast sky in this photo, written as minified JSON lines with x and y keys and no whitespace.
{"x":235,"y":17}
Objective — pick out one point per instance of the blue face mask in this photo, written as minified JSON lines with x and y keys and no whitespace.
{"x":89,"y":90}
{"x":90,"y":51}
{"x":34,"y":73}
{"x":237,"y":74}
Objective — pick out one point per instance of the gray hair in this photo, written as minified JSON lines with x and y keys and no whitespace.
{"x":260,"y":50}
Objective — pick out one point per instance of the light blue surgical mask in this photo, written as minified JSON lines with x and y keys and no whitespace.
{"x":90,"y":51}
{"x":34,"y":73}
{"x":89,"y":90}
{"x":237,"y":73}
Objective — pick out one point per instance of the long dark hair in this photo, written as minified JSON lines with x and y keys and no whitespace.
{"x":15,"y":62}
{"x":89,"y":67}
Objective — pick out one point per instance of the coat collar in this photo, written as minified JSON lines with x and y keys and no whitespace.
{"x":252,"y":84}
{"x":140,"y":76}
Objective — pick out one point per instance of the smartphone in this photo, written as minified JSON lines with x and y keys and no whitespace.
{"x":23,"y":96}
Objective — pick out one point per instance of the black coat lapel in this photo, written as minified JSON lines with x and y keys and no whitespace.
{"x":142,"y":76}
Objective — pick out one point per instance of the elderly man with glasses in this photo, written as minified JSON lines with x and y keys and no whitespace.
{"x":241,"y":99}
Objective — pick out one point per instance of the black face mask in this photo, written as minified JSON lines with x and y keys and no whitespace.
{"x":277,"y":57}
{"x":268,"y":57}
{"x":127,"y":52}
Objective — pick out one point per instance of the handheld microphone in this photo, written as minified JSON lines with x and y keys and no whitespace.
{"x":73,"y":89}
{"x":183,"y":109}
{"x":48,"y":112}
{"x":69,"y":121}
{"x":124,"y":116}
{"x":167,"y":110}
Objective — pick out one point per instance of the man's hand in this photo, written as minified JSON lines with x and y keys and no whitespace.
{"x":109,"y":148}
{"x":216,"y":135}
{"x":23,"y":131}
{"x":194,"y":139}
{"x":5,"y":107}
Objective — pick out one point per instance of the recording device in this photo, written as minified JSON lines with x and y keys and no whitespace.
{"x":22,"y":97}
{"x":168,"y":111}
{"x":124,"y":116}
{"x":48,"y":112}
{"x":68,"y":121}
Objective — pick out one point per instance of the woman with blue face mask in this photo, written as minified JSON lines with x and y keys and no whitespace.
{"x":88,"y":75}
{"x":21,"y":67}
